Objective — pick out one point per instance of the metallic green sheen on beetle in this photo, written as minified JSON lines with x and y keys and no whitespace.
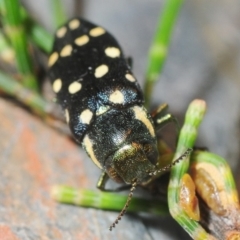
{"x":103,"y":102}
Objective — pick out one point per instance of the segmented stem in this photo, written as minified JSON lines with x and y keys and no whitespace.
{"x":14,"y":28}
{"x":107,"y":200}
{"x":159,"y":48}
{"x":24,"y":95}
{"x":187,"y":137}
{"x":6,"y":52}
{"x":59,"y":16}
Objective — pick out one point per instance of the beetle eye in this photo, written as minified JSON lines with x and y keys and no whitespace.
{"x":151,"y":152}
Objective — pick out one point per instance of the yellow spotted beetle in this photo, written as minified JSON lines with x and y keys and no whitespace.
{"x":103,"y":104}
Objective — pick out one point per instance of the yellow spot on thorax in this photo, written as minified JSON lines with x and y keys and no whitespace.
{"x":116,"y":97}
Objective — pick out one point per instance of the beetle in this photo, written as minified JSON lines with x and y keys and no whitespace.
{"x":104,"y":104}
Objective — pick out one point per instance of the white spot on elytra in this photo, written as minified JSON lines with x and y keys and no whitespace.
{"x":130,"y":77}
{"x":117,"y":97}
{"x":75,"y":23}
{"x":97,"y":31}
{"x":66,"y":51}
{"x":88,"y":145}
{"x":57,"y":85}
{"x":101,"y":70}
{"x":61,"y":32}
{"x":80,"y":41}
{"x":112,"y":52}
{"x":86,"y":116}
{"x":52,"y":59}
{"x":141,"y":115}
{"x":74,"y":87}
{"x":67,"y":115}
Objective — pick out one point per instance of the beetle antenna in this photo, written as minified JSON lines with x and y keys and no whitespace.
{"x":134,"y":184}
{"x":166,"y":168}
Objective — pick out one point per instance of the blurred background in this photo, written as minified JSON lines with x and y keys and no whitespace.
{"x":203,"y":62}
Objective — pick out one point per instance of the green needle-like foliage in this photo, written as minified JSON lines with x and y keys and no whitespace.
{"x":187,"y":138}
{"x":30,"y":98}
{"x":40,"y":36}
{"x":6,"y":51}
{"x":14,"y":28}
{"x":159,"y":48}
{"x":58,"y":13}
{"x":107,"y":200}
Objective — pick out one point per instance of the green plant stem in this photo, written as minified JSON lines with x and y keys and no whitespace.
{"x":40,"y":36}
{"x":37,"y":33}
{"x":187,"y":138}
{"x":107,"y":200}
{"x":58,"y":13}
{"x":15,"y":31}
{"x":30,"y":98}
{"x":6,"y":52}
{"x":159,"y":48}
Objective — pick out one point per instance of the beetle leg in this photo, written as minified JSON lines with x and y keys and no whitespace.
{"x":161,"y":110}
{"x":161,"y":118}
{"x":104,"y":177}
{"x":102,"y":181}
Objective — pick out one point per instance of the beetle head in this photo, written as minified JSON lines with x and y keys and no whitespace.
{"x":134,"y":161}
